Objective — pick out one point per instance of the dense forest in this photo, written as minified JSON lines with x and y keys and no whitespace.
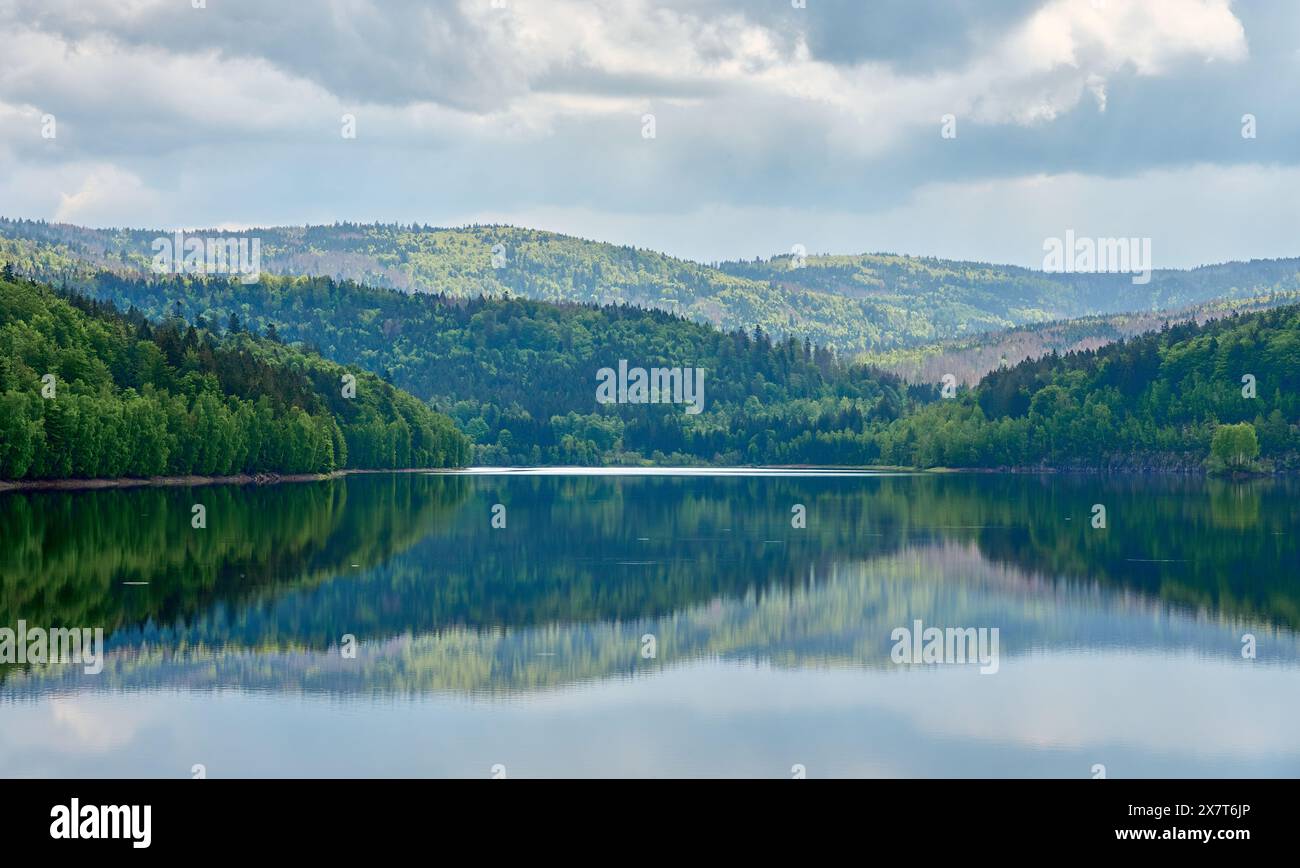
{"x":519,"y":379}
{"x":519,"y":376}
{"x":1154,"y":400}
{"x":850,"y":304}
{"x":88,"y":392}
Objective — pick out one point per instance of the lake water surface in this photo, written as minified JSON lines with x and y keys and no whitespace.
{"x":658,"y":624}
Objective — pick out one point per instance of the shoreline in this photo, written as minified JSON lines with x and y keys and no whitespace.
{"x":693,"y":470}
{"x":194,"y":481}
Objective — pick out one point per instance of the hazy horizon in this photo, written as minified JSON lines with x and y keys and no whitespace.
{"x":253,"y":227}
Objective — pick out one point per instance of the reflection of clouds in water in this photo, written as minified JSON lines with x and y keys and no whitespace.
{"x":1144,"y":700}
{"x":1072,"y":701}
{"x":1141,"y":714}
{"x":95,"y":728}
{"x":1128,"y":707}
{"x":77,"y":723}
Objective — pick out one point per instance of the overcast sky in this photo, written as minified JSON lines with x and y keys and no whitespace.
{"x":773,"y":125}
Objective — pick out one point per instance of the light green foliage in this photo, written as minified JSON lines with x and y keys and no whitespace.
{"x":1234,"y":447}
{"x":136,"y":400}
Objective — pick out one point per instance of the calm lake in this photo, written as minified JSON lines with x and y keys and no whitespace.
{"x":658,"y":625}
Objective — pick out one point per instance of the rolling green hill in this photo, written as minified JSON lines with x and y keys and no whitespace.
{"x":965,"y":297}
{"x":520,"y":376}
{"x":849,"y":303}
{"x":86,"y":392}
{"x":970,"y":358}
{"x":1155,"y":401}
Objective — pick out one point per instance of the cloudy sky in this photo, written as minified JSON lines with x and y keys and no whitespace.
{"x":773,"y":125}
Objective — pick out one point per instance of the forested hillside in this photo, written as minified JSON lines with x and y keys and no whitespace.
{"x":520,"y":376}
{"x":86,"y":392}
{"x":851,"y":304}
{"x":966,"y":297}
{"x":1160,"y":400}
{"x":969,"y":359}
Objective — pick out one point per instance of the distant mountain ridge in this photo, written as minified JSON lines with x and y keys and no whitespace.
{"x":970,"y":359}
{"x":852,"y":304}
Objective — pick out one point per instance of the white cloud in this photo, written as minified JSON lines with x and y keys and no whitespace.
{"x":1040,"y":69}
{"x":103,"y":192}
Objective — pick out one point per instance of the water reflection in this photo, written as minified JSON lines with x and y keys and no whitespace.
{"x":1122,"y":644}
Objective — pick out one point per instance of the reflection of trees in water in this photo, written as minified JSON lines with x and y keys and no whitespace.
{"x":1235,"y":505}
{"x":590,"y":549}
{"x":842,"y":619}
{"x":1228,"y":548}
{"x":68,"y":555}
{"x":601,"y":551}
